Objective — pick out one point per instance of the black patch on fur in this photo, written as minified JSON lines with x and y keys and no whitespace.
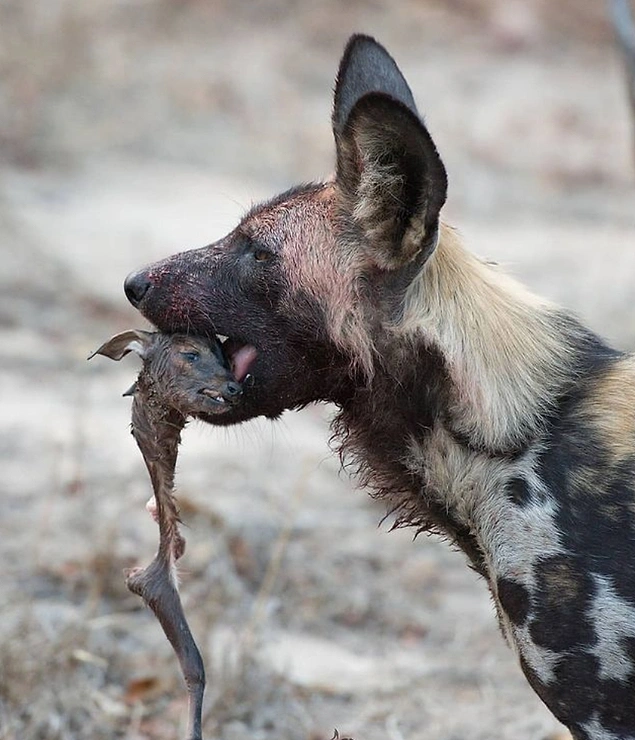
{"x":575,"y":688}
{"x":514,"y":599}
{"x":578,"y":693}
{"x":617,"y":711}
{"x":562,"y":596}
{"x":628,"y":644}
{"x":518,"y":491}
{"x":562,"y":703}
{"x":595,"y":494}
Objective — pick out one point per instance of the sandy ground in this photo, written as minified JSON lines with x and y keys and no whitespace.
{"x":132,"y":131}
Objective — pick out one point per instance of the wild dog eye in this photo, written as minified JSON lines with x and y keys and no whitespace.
{"x":191,"y":356}
{"x":262,"y":255}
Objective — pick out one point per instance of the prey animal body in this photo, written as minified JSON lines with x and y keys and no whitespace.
{"x":473,"y":407}
{"x":181,"y":376}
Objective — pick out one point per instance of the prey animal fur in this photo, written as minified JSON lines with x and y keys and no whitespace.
{"x":181,"y":376}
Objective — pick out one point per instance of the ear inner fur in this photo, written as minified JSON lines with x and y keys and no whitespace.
{"x":391,"y":179}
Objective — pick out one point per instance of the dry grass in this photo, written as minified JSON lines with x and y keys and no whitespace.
{"x":77,"y":662}
{"x":53,"y":686}
{"x":59,"y":687}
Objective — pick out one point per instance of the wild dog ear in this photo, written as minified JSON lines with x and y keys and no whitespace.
{"x":389,"y":174}
{"x":128,"y":341}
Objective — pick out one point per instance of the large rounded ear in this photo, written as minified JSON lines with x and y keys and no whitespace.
{"x":128,"y":341}
{"x":391,"y":180}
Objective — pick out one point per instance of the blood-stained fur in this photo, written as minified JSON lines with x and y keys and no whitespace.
{"x":473,"y":407}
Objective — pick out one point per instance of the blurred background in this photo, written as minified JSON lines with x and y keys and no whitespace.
{"x":131,"y":129}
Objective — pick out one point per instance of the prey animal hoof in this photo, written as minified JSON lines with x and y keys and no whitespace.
{"x":135,"y":579}
{"x":178,"y":546}
{"x":131,"y":573}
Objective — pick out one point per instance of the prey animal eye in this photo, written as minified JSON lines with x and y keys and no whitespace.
{"x":191,"y":355}
{"x":262,"y":255}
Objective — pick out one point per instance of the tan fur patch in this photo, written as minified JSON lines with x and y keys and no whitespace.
{"x":561,"y":584}
{"x":505,"y":353}
{"x":611,"y":409}
{"x":584,"y":480}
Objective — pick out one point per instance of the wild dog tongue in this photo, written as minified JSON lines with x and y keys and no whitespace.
{"x":241,"y":359}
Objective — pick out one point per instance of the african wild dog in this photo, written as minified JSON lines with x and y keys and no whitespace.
{"x":473,"y":407}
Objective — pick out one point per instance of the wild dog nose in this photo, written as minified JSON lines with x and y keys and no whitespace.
{"x":136,"y":286}
{"x":232,"y":390}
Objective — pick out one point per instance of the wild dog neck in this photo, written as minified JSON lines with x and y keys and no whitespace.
{"x":508,"y":353}
{"x":476,"y":363}
{"x":465,"y":386}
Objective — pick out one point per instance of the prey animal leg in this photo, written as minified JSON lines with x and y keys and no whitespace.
{"x":158,"y":440}
{"x":156,"y":586}
{"x":181,"y":376}
{"x":179,"y":540}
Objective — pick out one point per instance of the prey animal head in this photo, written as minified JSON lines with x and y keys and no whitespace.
{"x":187,"y":373}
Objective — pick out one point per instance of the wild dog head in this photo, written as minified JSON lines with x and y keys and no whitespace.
{"x":306,"y":285}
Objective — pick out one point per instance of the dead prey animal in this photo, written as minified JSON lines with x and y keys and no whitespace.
{"x":181,"y":376}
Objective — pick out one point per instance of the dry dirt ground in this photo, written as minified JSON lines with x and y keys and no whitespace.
{"x":130,"y":130}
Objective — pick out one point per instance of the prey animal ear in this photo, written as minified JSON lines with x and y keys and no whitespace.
{"x":128,"y":341}
{"x":390,"y":178}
